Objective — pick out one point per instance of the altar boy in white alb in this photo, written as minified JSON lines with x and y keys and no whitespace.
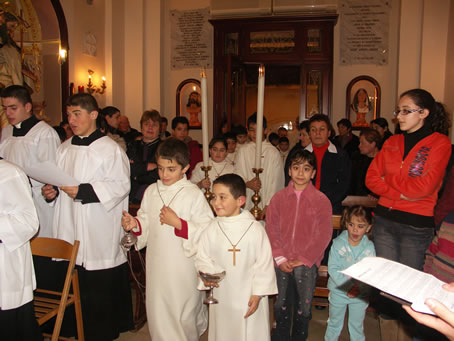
{"x":237,"y":244}
{"x":91,"y":213}
{"x":172,"y":215}
{"x":18,"y":224}
{"x":272,"y":177}
{"x":27,"y":141}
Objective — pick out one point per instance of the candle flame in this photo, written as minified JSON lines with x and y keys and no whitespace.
{"x":63,"y":53}
{"x":261,"y":70}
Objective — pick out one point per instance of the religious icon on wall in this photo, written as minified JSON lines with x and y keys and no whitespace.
{"x":189,"y":102}
{"x":363,"y":101}
{"x":20,"y":48}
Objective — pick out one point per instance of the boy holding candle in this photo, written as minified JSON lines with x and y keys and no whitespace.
{"x":268,"y":158}
{"x":237,"y":244}
{"x":218,"y":162}
{"x":171,"y":218}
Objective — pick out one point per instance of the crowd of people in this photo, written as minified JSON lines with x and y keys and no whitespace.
{"x":277,"y":253}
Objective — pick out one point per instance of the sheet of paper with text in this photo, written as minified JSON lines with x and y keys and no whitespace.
{"x":401,"y":281}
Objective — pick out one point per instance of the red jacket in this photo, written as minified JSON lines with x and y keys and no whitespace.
{"x":418,"y":176}
{"x":299,"y":228}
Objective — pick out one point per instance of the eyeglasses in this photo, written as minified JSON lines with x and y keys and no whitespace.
{"x":405,"y":112}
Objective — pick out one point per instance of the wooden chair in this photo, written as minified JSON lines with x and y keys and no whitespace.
{"x":321,"y":292}
{"x":49,"y":304}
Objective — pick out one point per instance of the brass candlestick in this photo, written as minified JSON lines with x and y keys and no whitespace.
{"x":208,"y":194}
{"x":256,"y":211}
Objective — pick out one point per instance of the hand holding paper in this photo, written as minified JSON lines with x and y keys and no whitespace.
{"x":444,"y":323}
{"x":401,"y":281}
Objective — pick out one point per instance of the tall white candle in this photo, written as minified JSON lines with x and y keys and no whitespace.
{"x":259,"y":127}
{"x":204,"y":119}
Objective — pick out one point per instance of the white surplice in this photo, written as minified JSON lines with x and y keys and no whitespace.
{"x":252,"y":274}
{"x":105,"y":166}
{"x":272,"y":177}
{"x":231,"y":157}
{"x":217,"y":169}
{"x":174,"y":305}
{"x":38,"y":145}
{"x":18,"y":224}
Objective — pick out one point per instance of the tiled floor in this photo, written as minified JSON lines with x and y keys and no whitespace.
{"x":316,"y":329}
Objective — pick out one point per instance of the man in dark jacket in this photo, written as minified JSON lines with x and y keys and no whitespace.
{"x":333,"y":163}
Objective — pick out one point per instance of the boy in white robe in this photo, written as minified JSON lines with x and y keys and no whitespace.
{"x":18,"y":224}
{"x":271,"y":179}
{"x":172,"y":215}
{"x":91,"y":213}
{"x":237,"y":244}
{"x":230,"y":137}
{"x":218,"y":163}
{"x":27,"y":141}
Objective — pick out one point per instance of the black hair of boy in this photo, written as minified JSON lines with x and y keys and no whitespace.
{"x":273,"y":137}
{"x":164,"y":120}
{"x":179,"y":119}
{"x":230,"y":136}
{"x":283,"y":139}
{"x":346,"y":123}
{"x":83,"y":100}
{"x":302,"y":155}
{"x":356,"y":211}
{"x":61,"y":133}
{"x":215,"y":140}
{"x":239,"y":130}
{"x":173,"y":149}
{"x":234,"y":183}
{"x":18,"y":92}
{"x":253,"y":119}
{"x":305,"y":125}
{"x":109,"y":111}
{"x":321,"y":118}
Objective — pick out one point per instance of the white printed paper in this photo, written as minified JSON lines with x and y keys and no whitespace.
{"x":402,"y":281}
{"x":48,"y":173}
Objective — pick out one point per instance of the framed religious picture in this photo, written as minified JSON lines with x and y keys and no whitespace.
{"x":189,"y":102}
{"x":363,"y":101}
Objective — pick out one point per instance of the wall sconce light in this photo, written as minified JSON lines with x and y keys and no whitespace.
{"x":91,"y":88}
{"x":62,"y":55}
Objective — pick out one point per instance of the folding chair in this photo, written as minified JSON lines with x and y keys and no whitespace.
{"x":49,"y":304}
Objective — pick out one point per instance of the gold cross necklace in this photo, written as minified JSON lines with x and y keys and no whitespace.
{"x":234,"y":250}
{"x":218,"y":174}
{"x":159,"y":192}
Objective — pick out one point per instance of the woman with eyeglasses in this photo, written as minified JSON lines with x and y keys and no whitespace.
{"x":407,"y":174}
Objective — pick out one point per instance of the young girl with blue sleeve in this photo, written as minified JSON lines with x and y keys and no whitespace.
{"x":348,"y":248}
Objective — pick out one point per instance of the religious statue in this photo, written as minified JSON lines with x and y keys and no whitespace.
{"x":194,"y":108}
{"x":361,"y":106}
{"x":15,"y":69}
